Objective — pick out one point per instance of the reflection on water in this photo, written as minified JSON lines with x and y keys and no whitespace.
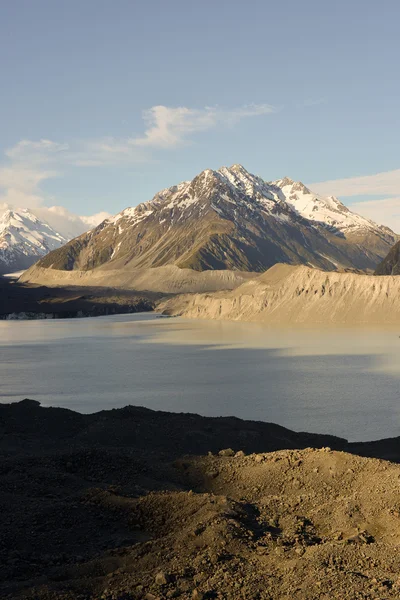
{"x":335,"y":381}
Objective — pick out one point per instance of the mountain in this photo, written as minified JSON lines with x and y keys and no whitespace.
{"x":391,"y":263}
{"x":229,"y":219}
{"x":24,"y":239}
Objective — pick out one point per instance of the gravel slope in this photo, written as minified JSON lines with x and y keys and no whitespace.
{"x":135,"y":504}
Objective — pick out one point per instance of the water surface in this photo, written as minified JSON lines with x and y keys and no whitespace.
{"x":342,"y":382}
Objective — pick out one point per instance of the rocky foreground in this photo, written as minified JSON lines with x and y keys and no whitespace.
{"x":135,"y":504}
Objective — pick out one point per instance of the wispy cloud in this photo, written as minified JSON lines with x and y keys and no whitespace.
{"x":385,"y":183}
{"x":20,"y":184}
{"x":36,"y":151}
{"x":67,"y":223}
{"x":165,"y":128}
{"x":171,"y":127}
{"x":385,"y":211}
{"x":310,"y":102}
{"x":31,"y":162}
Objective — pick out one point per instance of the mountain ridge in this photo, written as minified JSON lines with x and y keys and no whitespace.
{"x":297,"y":294}
{"x":391,"y":263}
{"x":229,"y":219}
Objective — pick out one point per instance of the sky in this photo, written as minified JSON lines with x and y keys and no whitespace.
{"x":104,"y":103}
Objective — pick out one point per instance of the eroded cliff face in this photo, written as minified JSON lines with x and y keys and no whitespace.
{"x":289,"y":294}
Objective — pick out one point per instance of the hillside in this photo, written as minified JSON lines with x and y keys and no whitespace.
{"x":228,"y":220}
{"x":24,"y":238}
{"x":132,"y":504}
{"x":168,"y":280}
{"x":298,"y":294}
{"x":391,"y":264}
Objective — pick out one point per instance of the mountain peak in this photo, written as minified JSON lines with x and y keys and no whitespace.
{"x":284,"y":182}
{"x":238,"y":168}
{"x":238,"y":171}
{"x":296,"y":186}
{"x":17,"y":214}
{"x":7,"y":216}
{"x":24,"y":239}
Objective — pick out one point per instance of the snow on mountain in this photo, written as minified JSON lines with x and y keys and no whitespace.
{"x":230,"y":219}
{"x":24,"y":239}
{"x":327,"y":210}
{"x":283,"y":198}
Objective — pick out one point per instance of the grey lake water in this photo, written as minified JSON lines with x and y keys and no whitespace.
{"x":343,"y":382}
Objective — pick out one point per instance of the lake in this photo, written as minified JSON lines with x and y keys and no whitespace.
{"x":342,"y":382}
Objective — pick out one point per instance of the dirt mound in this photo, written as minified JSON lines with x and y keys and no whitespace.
{"x":167,"y":280}
{"x":290,"y":294}
{"x":128,"y":504}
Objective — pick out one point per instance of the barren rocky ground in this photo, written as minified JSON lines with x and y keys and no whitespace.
{"x":135,"y":504}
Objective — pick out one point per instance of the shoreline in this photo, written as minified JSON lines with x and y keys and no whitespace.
{"x":382,"y":448}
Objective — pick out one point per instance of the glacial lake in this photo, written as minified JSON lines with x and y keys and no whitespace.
{"x":342,"y":382}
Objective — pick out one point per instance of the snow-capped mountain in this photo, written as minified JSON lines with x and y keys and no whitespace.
{"x":230,"y":219}
{"x":327,"y":210}
{"x":24,"y":239}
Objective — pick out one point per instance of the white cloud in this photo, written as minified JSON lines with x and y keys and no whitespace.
{"x":165,"y":128}
{"x":170,"y":127}
{"x":96,"y":219}
{"x":67,"y":223}
{"x":20,"y":184}
{"x":386,"y":183}
{"x":386,"y":212}
{"x":31,"y":162}
{"x":23,"y":177}
{"x":36,"y":152}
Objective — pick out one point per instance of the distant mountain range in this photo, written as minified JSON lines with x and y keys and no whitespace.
{"x":24,"y":239}
{"x":229,"y":219}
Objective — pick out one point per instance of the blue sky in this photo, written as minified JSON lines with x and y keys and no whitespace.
{"x":103,"y":103}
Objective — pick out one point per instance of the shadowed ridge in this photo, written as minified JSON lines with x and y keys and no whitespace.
{"x":146,"y":430}
{"x":391,"y":264}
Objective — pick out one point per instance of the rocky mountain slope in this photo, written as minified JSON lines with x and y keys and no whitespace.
{"x":391,"y":264}
{"x":298,"y":294}
{"x":24,"y":239}
{"x":229,"y":219}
